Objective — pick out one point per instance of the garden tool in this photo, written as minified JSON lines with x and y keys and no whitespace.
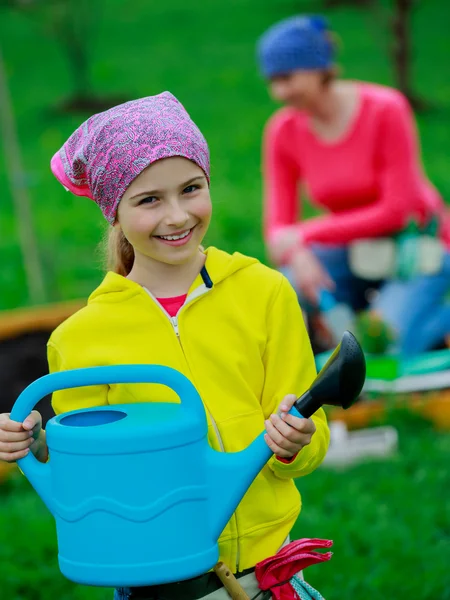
{"x":276,"y":573}
{"x":231,"y":584}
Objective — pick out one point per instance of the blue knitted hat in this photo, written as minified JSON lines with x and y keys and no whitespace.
{"x":300,"y":42}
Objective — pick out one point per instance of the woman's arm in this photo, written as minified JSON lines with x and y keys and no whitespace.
{"x":281,"y":177}
{"x":290,"y":369}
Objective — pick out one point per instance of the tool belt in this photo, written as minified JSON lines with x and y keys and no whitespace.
{"x":411,"y":252}
{"x":190,"y":589}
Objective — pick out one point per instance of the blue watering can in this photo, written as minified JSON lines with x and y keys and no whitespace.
{"x":138,"y":495}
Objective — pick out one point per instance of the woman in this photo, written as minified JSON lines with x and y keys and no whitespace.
{"x":352,"y":146}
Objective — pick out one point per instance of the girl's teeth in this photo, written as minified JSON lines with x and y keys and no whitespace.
{"x":175,"y":237}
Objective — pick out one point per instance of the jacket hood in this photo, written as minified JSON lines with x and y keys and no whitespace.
{"x":219,"y":265}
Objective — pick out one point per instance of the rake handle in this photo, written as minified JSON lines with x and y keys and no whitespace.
{"x":230,"y":582}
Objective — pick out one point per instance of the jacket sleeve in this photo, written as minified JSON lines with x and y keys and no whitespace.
{"x":290,"y":369}
{"x":73,"y":398}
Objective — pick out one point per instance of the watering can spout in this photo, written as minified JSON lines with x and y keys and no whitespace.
{"x":39,"y":475}
{"x":339,"y":383}
{"x":230,"y":475}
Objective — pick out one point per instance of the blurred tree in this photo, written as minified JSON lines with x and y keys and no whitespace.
{"x":22,"y":204}
{"x":397,"y":19}
{"x":333,"y":3}
{"x":401,"y":51}
{"x":73,"y":24}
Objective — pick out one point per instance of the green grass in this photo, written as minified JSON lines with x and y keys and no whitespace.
{"x":390,"y":521}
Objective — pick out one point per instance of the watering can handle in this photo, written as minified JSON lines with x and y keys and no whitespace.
{"x":107,"y":375}
{"x":39,"y":474}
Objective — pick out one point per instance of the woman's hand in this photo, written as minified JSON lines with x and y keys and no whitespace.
{"x":285,"y":242}
{"x":309,"y":276}
{"x":287,"y":435}
{"x":17,"y":439}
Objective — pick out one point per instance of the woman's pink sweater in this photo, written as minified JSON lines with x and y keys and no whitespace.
{"x":370,"y":182}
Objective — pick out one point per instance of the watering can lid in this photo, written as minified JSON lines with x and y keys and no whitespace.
{"x":125,"y":428}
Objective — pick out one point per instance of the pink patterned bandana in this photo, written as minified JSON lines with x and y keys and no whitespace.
{"x":103,"y":156}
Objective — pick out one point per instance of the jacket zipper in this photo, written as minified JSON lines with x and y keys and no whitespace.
{"x":200,"y":291}
{"x":174,"y":322}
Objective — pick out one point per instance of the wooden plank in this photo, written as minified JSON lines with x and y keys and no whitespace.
{"x":38,"y":318}
{"x":434,"y":406}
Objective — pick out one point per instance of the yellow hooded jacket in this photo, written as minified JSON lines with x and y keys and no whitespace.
{"x":240,"y":338}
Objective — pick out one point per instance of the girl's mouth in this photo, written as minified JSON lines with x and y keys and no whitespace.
{"x":176,"y":239}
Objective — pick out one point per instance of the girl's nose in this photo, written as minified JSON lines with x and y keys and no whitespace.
{"x":176,"y":215}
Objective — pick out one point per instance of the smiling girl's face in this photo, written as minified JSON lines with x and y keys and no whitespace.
{"x":166,"y":211}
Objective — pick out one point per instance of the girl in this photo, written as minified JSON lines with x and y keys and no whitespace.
{"x":353,"y":146}
{"x":230,"y":324}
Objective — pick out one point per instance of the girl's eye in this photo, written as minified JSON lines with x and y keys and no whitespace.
{"x":190,"y":188}
{"x":148,"y":200}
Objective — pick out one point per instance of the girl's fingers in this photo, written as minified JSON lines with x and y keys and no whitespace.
{"x":280,"y":441}
{"x":303,"y":426}
{"x":275,"y":448}
{"x":283,"y":439}
{"x":33,"y":420}
{"x":12,"y":436}
{"x":297,"y":437}
{"x":287,"y":403}
{"x":7,"y":425}
{"x":13,"y":456}
{"x":11,"y":447}
{"x":284,"y":429}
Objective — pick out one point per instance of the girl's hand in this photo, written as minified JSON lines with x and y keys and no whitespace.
{"x":309,"y":276}
{"x":17,"y":439}
{"x":287,"y":435}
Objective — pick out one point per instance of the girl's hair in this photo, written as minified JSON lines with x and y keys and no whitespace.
{"x":118,"y":253}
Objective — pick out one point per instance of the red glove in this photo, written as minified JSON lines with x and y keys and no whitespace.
{"x":275,"y":572}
